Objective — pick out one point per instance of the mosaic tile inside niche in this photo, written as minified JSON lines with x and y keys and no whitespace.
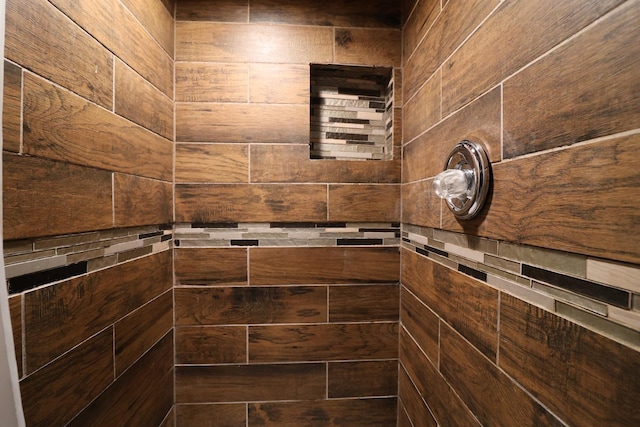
{"x":564,"y":283}
{"x":287,"y":234}
{"x":31,"y":263}
{"x":351,"y":112}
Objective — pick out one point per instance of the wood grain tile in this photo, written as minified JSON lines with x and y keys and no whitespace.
{"x":156,"y":19}
{"x":444,"y":403}
{"x":71,"y":198}
{"x":536,"y":27}
{"x":148,"y":383}
{"x":56,"y":393}
{"x":140,"y":102}
{"x":360,"y":379}
{"x":210,"y":266}
{"x":206,"y":345}
{"x":139,"y":331}
{"x":425,"y":156}
{"x":493,"y":397}
{"x":348,"y":412}
{"x":128,"y":39}
{"x":361,"y":46}
{"x":65,"y":54}
{"x":250,"y":305}
{"x":12,"y":108}
{"x":62,"y":126}
{"x":583,"y":377}
{"x":416,"y":409}
{"x":279,"y":83}
{"x":572,"y":190}
{"x":170,"y":5}
{"x":309,"y":343}
{"x":212,"y":415}
{"x":170,"y":419}
{"x":221,"y":10}
{"x":60,"y":316}
{"x":363,"y":303}
{"x":475,"y":316}
{"x":291,"y":163}
{"x":417,"y":25}
{"x":206,"y":122}
{"x":141,"y":201}
{"x":449,"y":30}
{"x":291,"y":44}
{"x":597,"y":72}
{"x":247,"y":203}
{"x":210,"y":82}
{"x":240,"y":383}
{"x":423,"y":110}
{"x":421,"y":323}
{"x":15,"y":311}
{"x":283,"y":266}
{"x":421,"y":204}
{"x":362,"y":203}
{"x":407,"y":10}
{"x":403,"y":418}
{"x":212,"y":163}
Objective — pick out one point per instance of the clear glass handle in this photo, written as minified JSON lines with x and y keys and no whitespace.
{"x":452,"y":183}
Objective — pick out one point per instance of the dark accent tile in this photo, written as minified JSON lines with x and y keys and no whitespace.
{"x":395,"y":224}
{"x":214,"y":225}
{"x":349,"y":136}
{"x":352,"y":121}
{"x":422,"y":252}
{"x":166,"y":237}
{"x":33,"y":280}
{"x":165,"y":227}
{"x":176,"y":243}
{"x":251,"y":242}
{"x":332,"y":225}
{"x":359,"y":242}
{"x":359,"y":92}
{"x":376,"y":230}
{"x":405,"y":239}
{"x":606,"y":294}
{"x":377,"y":105}
{"x":147,"y":235}
{"x":436,"y":251}
{"x":292,"y":225}
{"x":480,"y":275}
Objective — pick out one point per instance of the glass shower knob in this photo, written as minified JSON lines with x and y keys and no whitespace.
{"x":452,"y":183}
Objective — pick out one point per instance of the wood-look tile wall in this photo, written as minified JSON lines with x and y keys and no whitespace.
{"x":552,"y":91}
{"x":88,"y":148}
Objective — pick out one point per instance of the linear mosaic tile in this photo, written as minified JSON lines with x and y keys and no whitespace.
{"x":554,"y":280}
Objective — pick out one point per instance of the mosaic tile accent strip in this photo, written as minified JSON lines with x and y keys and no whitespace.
{"x":287,"y":234}
{"x":37,"y":262}
{"x":595,"y":293}
{"x":351,"y":113}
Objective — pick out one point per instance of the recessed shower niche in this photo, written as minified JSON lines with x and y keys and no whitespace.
{"x":351,"y":112}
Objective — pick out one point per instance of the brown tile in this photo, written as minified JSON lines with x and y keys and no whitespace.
{"x":141,"y":201}
{"x":421,"y":204}
{"x":207,"y":122}
{"x":279,"y":84}
{"x":67,"y":128}
{"x":210,"y":266}
{"x":348,"y":412}
{"x":425,"y":156}
{"x":140,"y":102}
{"x":156,"y":19}
{"x":129,"y":41}
{"x":593,"y":184}
{"x":282,"y":266}
{"x":290,"y":44}
{"x":71,"y":198}
{"x":379,"y":13}
{"x":407,"y":8}
{"x":148,"y":383}
{"x":364,"y":203}
{"x":475,"y":316}
{"x":597,"y":72}
{"x":87,"y":68}
{"x":363,"y":303}
{"x":247,"y":203}
{"x":360,"y":379}
{"x":239,"y":383}
{"x":583,"y":377}
{"x":139,"y":331}
{"x":423,"y":110}
{"x":418,"y":24}
{"x":15,"y":311}
{"x":211,"y":415}
{"x":493,"y":397}
{"x":416,"y":409}
{"x":421,"y":323}
{"x":221,"y":10}
{"x":535,"y":28}
{"x":56,"y":393}
{"x":449,"y":30}
{"x":212,"y":163}
{"x":170,"y":419}
{"x":60,"y":316}
{"x":291,"y":163}
{"x":206,"y":345}
{"x":12,"y":108}
{"x":403,"y":418}
{"x":210,"y":82}
{"x":250,"y":305}
{"x":360,"y":46}
{"x":354,"y":341}
{"x":446,"y":406}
